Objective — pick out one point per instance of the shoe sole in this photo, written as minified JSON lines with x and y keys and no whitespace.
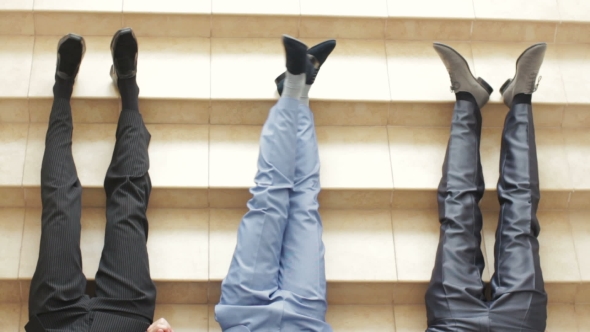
{"x":294,"y":39}
{"x":113,"y":42}
{"x":312,"y":50}
{"x":74,"y":37}
{"x":485,"y":85}
{"x":510,"y":80}
{"x":117,"y":35}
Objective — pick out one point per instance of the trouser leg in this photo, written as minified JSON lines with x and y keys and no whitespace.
{"x":456,"y":287}
{"x":59,"y":283}
{"x":247,"y":293}
{"x":123,"y":281}
{"x":517,"y":285}
{"x":302,"y":274}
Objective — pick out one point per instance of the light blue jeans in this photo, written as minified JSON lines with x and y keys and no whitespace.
{"x":277,"y":281}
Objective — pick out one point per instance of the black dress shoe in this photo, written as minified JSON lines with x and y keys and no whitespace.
{"x":296,"y":54}
{"x":124,"y":50}
{"x":70,"y":51}
{"x":317,"y":56}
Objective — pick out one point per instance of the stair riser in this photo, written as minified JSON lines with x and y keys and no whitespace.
{"x":362,"y":167}
{"x":220,"y":25}
{"x":385,"y":251}
{"x":186,"y":198}
{"x":338,"y":293}
{"x":254,"y":112}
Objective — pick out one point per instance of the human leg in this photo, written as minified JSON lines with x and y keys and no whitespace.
{"x":302,"y":269}
{"x":123,"y":282}
{"x":58,"y":284}
{"x":302,"y":277}
{"x":248,"y":291}
{"x":518,"y":294}
{"x":455,"y":293}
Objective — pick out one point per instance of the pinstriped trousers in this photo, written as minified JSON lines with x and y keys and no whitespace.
{"x":277,"y":281}
{"x":125,"y":293}
{"x":455,"y":298}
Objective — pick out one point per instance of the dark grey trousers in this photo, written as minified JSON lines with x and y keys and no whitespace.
{"x":455,"y":298}
{"x":125,"y":293}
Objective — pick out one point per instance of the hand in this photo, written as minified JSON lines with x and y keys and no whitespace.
{"x":161,"y":325}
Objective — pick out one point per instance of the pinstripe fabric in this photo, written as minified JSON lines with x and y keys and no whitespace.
{"x":58,"y":284}
{"x":276,"y":280}
{"x":125,"y":298}
{"x":123,"y":279}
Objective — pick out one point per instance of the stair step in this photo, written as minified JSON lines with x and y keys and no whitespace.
{"x":206,"y":71}
{"x":563,"y":21}
{"x":194,"y":166}
{"x":349,"y":318}
{"x":372,"y":256}
{"x":230,"y":81}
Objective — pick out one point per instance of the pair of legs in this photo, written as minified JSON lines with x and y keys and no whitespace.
{"x":455,"y":298}
{"x":276,"y":281}
{"x":123,"y":284}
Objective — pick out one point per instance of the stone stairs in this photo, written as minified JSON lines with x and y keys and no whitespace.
{"x":382,"y":107}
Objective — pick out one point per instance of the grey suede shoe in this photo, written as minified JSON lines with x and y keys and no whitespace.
{"x":527,"y":70}
{"x":462,"y":79}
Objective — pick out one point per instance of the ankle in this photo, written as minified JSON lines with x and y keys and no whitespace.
{"x":466,"y":96}
{"x":304,"y":100}
{"x":129,"y":91}
{"x":63,"y":88}
{"x":522,"y":98}
{"x":293,"y":86}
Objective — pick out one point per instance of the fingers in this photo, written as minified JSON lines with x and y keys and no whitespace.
{"x":161,"y":325}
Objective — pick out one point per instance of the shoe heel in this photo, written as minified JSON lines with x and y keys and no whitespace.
{"x":505,"y":85}
{"x":280,"y":86}
{"x":485,"y":85}
{"x":280,"y":78}
{"x":280,"y":81}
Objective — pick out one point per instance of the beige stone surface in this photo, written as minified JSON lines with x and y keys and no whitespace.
{"x":178,"y":245}
{"x":11,"y":235}
{"x":431,"y":9}
{"x":13,"y":142}
{"x":17,"y":23}
{"x":179,"y":155}
{"x":360,"y":245}
{"x":59,"y":22}
{"x":16,"y":54}
{"x":184,"y":318}
{"x":172,"y":6}
{"x":357,"y":318}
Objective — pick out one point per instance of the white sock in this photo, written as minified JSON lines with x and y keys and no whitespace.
{"x":293,"y":85}
{"x":304,"y":95}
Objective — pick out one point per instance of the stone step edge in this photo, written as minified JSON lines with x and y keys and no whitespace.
{"x":349,"y":318}
{"x":373,"y":28}
{"x":339,"y":292}
{"x":254,"y":112}
{"x":330,"y":198}
{"x":281,"y":15}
